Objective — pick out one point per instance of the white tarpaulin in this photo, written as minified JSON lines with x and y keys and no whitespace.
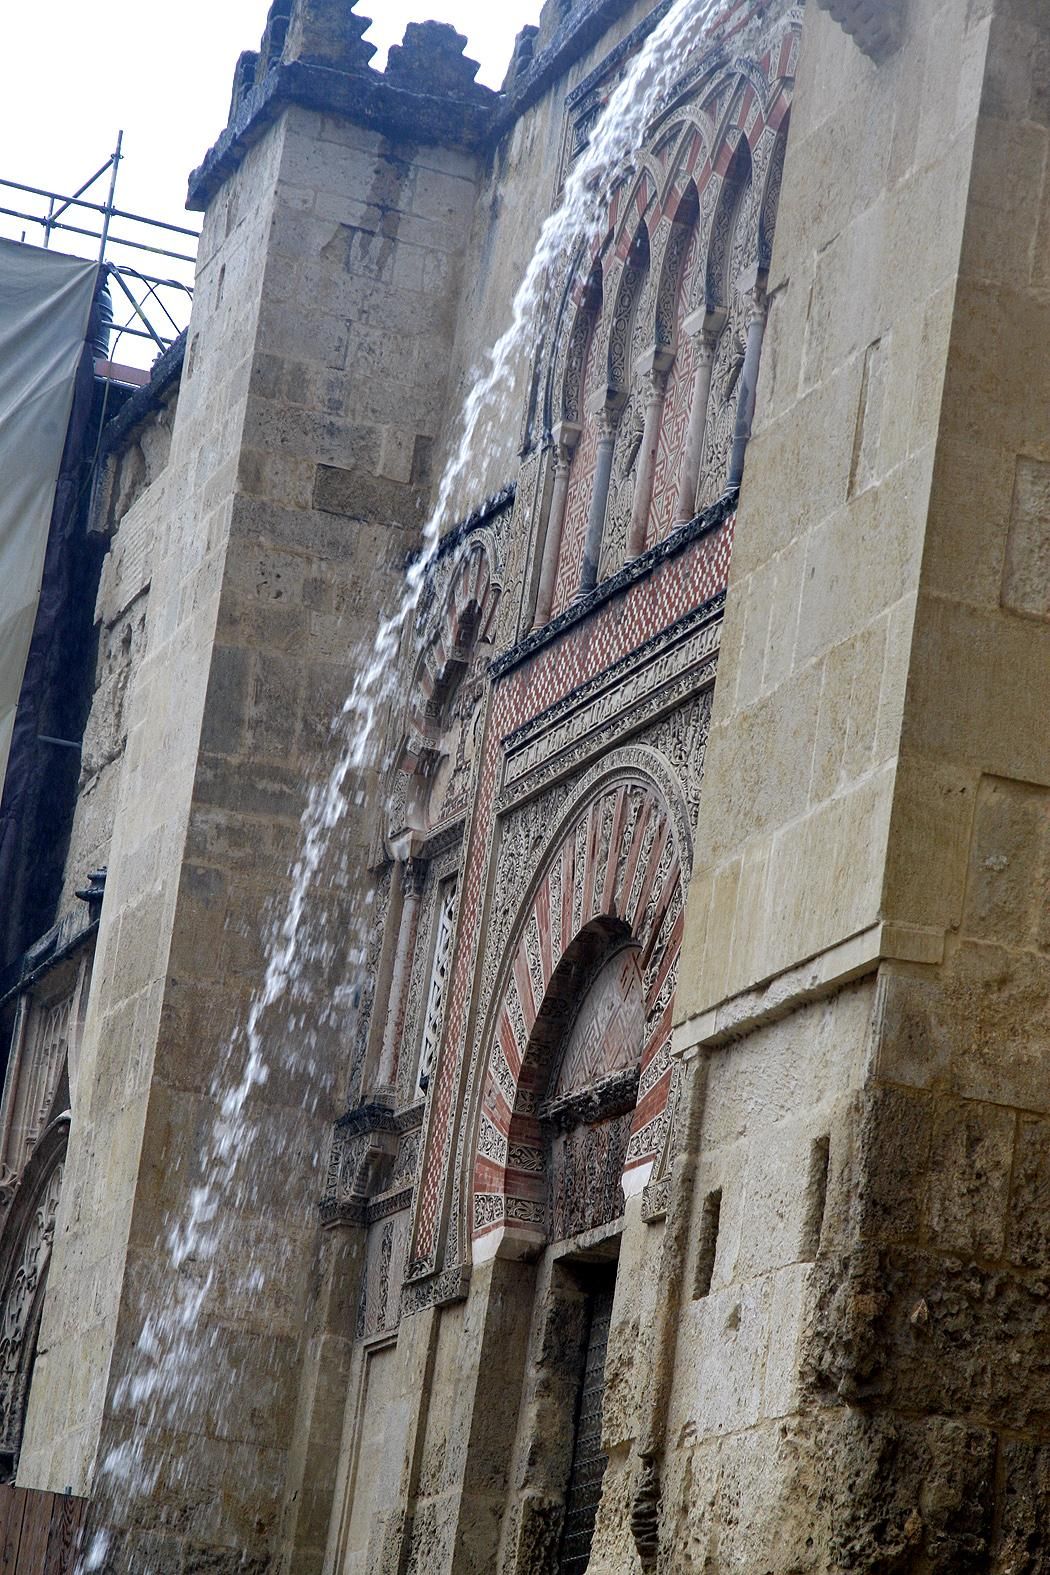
{"x":45,"y":303}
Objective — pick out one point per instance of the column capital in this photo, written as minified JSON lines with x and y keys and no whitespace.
{"x":752,"y":285}
{"x":565,"y":435}
{"x":705,"y":324}
{"x":413,"y":874}
{"x":607,"y":405}
{"x":655,"y":364}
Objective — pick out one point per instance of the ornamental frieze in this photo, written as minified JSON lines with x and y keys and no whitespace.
{"x":657,"y":677}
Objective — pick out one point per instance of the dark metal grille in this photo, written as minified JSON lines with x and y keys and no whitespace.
{"x":588,"y":1462}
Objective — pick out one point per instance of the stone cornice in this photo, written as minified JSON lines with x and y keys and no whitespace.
{"x":364,"y":97}
{"x":167,"y":369}
{"x":475,"y":520}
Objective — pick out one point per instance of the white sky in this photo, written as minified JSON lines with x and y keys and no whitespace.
{"x":74,"y":73}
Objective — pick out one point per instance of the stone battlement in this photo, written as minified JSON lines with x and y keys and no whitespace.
{"x":313,"y":53}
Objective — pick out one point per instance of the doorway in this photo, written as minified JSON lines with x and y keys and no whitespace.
{"x":587,"y":1469}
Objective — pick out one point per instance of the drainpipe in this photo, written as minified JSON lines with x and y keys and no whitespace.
{"x":652,"y":1436}
{"x":752,"y":284}
{"x":566,"y":435}
{"x":705,"y":328}
{"x":653,"y":368}
{"x":607,"y":407}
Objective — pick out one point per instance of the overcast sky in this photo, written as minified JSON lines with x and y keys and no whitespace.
{"x":74,"y":73}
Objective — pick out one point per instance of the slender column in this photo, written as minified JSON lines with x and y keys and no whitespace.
{"x":413,"y":872}
{"x":754,"y":285}
{"x":704,"y":327}
{"x":566,"y":435}
{"x":653,"y":366}
{"x":607,"y":409}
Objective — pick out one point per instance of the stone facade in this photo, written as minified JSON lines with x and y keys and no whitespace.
{"x":671,"y":1023}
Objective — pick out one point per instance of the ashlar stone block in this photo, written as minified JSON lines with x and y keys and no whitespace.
{"x":1026,"y":573}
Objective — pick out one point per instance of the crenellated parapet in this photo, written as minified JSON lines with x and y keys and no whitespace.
{"x":431,"y":61}
{"x":313,"y":53}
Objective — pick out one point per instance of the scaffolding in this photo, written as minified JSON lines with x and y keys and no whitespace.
{"x":145,"y":305}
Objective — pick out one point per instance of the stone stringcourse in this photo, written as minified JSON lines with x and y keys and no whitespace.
{"x":877,"y":26}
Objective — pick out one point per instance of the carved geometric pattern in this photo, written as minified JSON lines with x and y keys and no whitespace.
{"x":435,"y":1007}
{"x":578,"y":502}
{"x":711,"y":123}
{"x":29,"y":1235}
{"x":623,"y":832}
{"x":674,"y":421}
{"x":685,"y":581}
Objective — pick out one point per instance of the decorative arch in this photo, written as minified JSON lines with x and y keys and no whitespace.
{"x":573,"y":371}
{"x":615,"y":870}
{"x":626,"y":309}
{"x":770,"y":195}
{"x":736,"y":183}
{"x":683,"y":217}
{"x":28,"y":1237}
{"x":447,"y":688}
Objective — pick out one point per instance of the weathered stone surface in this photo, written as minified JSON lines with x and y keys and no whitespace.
{"x":843,"y":1367}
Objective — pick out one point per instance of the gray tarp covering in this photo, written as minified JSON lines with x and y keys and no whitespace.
{"x":45,"y":302}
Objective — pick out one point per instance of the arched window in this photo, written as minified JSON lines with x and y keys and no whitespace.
{"x":585,"y":372}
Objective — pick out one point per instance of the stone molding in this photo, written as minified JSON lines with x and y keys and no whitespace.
{"x":484,"y":514}
{"x":364,"y":97}
{"x":876,"y":26}
{"x":656,"y":1200}
{"x":435,"y":1290}
{"x":655,"y":677}
{"x":613,"y":1096}
{"x":364,"y":1146}
{"x":821,"y":975}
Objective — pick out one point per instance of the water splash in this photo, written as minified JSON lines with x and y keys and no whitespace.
{"x":162,"y":1392}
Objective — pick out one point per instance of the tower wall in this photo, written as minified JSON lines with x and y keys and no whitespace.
{"x":875,"y":811}
{"x":312,"y":394}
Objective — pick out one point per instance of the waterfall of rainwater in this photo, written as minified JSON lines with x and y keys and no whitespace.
{"x":162,"y":1387}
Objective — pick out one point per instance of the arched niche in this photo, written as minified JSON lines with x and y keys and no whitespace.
{"x":440,"y":742}
{"x":733,"y":248}
{"x":589,"y":1078}
{"x":630,"y":336}
{"x":681,"y":264}
{"x":611,"y":883}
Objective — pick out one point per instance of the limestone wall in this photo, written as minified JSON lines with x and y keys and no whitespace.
{"x":771,"y":1193}
{"x":830,"y":535}
{"x":163,"y":717}
{"x":312,"y":390}
{"x":135,"y":500}
{"x":876,"y":803}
